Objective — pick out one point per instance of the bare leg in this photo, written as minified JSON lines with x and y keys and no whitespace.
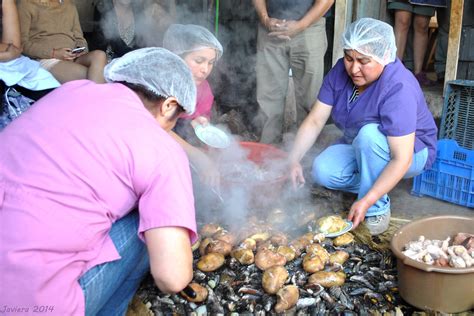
{"x":95,"y":62}
{"x":420,"y":41}
{"x":65,"y":71}
{"x":402,"y":25}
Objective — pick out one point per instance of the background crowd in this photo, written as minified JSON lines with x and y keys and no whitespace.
{"x":102,"y":162}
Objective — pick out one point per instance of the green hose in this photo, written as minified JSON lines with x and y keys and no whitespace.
{"x":216,"y":30}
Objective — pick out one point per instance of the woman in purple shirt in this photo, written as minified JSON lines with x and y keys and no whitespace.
{"x":389,"y":133}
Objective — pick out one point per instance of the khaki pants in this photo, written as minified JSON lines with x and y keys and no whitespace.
{"x":304,"y":55}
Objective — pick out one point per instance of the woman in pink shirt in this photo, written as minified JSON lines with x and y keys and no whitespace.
{"x":200,"y":49}
{"x":74,"y":167}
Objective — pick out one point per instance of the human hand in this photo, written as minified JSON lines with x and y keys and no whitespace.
{"x":296,"y":175}
{"x":64,"y":53}
{"x":200,"y":120}
{"x":272,"y":24}
{"x":287,"y":30}
{"x":357,"y":212}
{"x":79,"y":51}
{"x":11,"y":52}
{"x":211,"y":177}
{"x":207,"y":171}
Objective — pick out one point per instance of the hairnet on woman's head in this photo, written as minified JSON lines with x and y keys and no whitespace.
{"x":158,"y":70}
{"x":182,"y":39}
{"x":373,"y":38}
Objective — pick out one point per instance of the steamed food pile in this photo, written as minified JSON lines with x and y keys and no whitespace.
{"x":260,"y":270}
{"x":443,"y":253}
{"x":270,"y":252}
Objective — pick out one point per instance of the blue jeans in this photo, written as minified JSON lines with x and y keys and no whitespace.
{"x":109,"y":287}
{"x":355,"y":168}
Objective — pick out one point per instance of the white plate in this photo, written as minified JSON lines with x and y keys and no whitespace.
{"x":341,"y":232}
{"x":212,"y":136}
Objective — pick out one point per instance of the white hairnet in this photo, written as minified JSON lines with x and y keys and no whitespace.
{"x":373,"y":38}
{"x":159,"y":71}
{"x":182,"y":39}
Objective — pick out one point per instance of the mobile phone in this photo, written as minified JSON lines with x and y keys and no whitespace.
{"x":78,"y":50}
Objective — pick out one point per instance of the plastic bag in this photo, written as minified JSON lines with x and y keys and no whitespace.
{"x":13,"y":105}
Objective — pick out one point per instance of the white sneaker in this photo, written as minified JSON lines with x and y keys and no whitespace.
{"x":378,"y":224}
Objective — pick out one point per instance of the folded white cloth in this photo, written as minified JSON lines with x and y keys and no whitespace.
{"x":27,"y":73}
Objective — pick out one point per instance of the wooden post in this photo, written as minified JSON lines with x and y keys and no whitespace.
{"x":454,"y":41}
{"x":340,"y":22}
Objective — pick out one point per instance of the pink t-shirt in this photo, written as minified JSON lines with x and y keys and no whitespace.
{"x":204,"y":101}
{"x":77,"y":161}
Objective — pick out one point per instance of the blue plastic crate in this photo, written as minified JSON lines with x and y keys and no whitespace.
{"x":451,"y":178}
{"x":458,"y":113}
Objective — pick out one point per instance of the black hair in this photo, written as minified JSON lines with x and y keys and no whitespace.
{"x":151,"y":96}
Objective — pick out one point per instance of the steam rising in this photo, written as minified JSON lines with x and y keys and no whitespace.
{"x":246,"y":188}
{"x":249,"y":186}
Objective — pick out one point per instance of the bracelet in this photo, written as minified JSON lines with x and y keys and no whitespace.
{"x":52,"y":55}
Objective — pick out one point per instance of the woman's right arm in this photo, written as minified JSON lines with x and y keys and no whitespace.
{"x":10,"y":47}
{"x":206,"y":169}
{"x":307,"y":134}
{"x":171,"y":257}
{"x":11,"y":23}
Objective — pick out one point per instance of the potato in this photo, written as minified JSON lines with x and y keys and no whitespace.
{"x":344,"y":239}
{"x":219,"y":246}
{"x":320,"y":237}
{"x":298,"y":245}
{"x":273,"y":279}
{"x":318,"y":250}
{"x":262,"y":236}
{"x":265,"y":244}
{"x":266,"y":258}
{"x":314,"y":237}
{"x":279,"y":239}
{"x":308,"y":238}
{"x":210,"y":262}
{"x":243,"y":255}
{"x":287,"y":298}
{"x":196,"y":245}
{"x":225,"y":236}
{"x":201,"y":293}
{"x":312,"y":263}
{"x":338,"y":257}
{"x":249,"y":243}
{"x":209,"y":229}
{"x":288,"y":252}
{"x":331,"y":224}
{"x":203,"y":245}
{"x":327,"y":279}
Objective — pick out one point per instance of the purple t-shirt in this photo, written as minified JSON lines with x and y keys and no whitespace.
{"x":80,"y":159}
{"x":395,"y":101}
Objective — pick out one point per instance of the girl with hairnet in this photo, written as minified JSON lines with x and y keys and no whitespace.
{"x":388,"y":131}
{"x":200,"y":50}
{"x":71,"y":239}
